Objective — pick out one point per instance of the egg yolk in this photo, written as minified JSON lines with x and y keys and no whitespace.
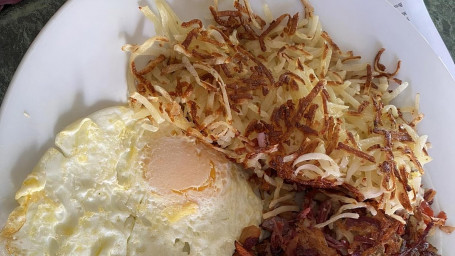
{"x":177,"y":164}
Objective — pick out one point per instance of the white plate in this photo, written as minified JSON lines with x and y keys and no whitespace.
{"x":75,"y":66}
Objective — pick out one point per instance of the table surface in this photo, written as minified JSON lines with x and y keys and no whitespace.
{"x":21,"y":23}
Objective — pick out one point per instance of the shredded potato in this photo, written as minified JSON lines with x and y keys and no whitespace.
{"x":281,"y":95}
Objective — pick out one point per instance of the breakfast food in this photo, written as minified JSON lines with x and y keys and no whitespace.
{"x":337,"y":164}
{"x":115,"y":184}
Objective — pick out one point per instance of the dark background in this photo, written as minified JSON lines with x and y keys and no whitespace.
{"x":21,"y":23}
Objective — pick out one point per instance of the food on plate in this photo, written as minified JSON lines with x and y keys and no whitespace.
{"x":116,"y":184}
{"x":337,"y":164}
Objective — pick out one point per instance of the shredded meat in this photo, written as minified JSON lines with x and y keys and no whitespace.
{"x":371,"y":235}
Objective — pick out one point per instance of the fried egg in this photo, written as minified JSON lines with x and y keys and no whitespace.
{"x":112,"y":187}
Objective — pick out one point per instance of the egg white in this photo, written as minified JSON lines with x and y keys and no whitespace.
{"x":90,"y":195}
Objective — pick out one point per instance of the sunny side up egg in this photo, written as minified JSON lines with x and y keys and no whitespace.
{"x":111,"y":187}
